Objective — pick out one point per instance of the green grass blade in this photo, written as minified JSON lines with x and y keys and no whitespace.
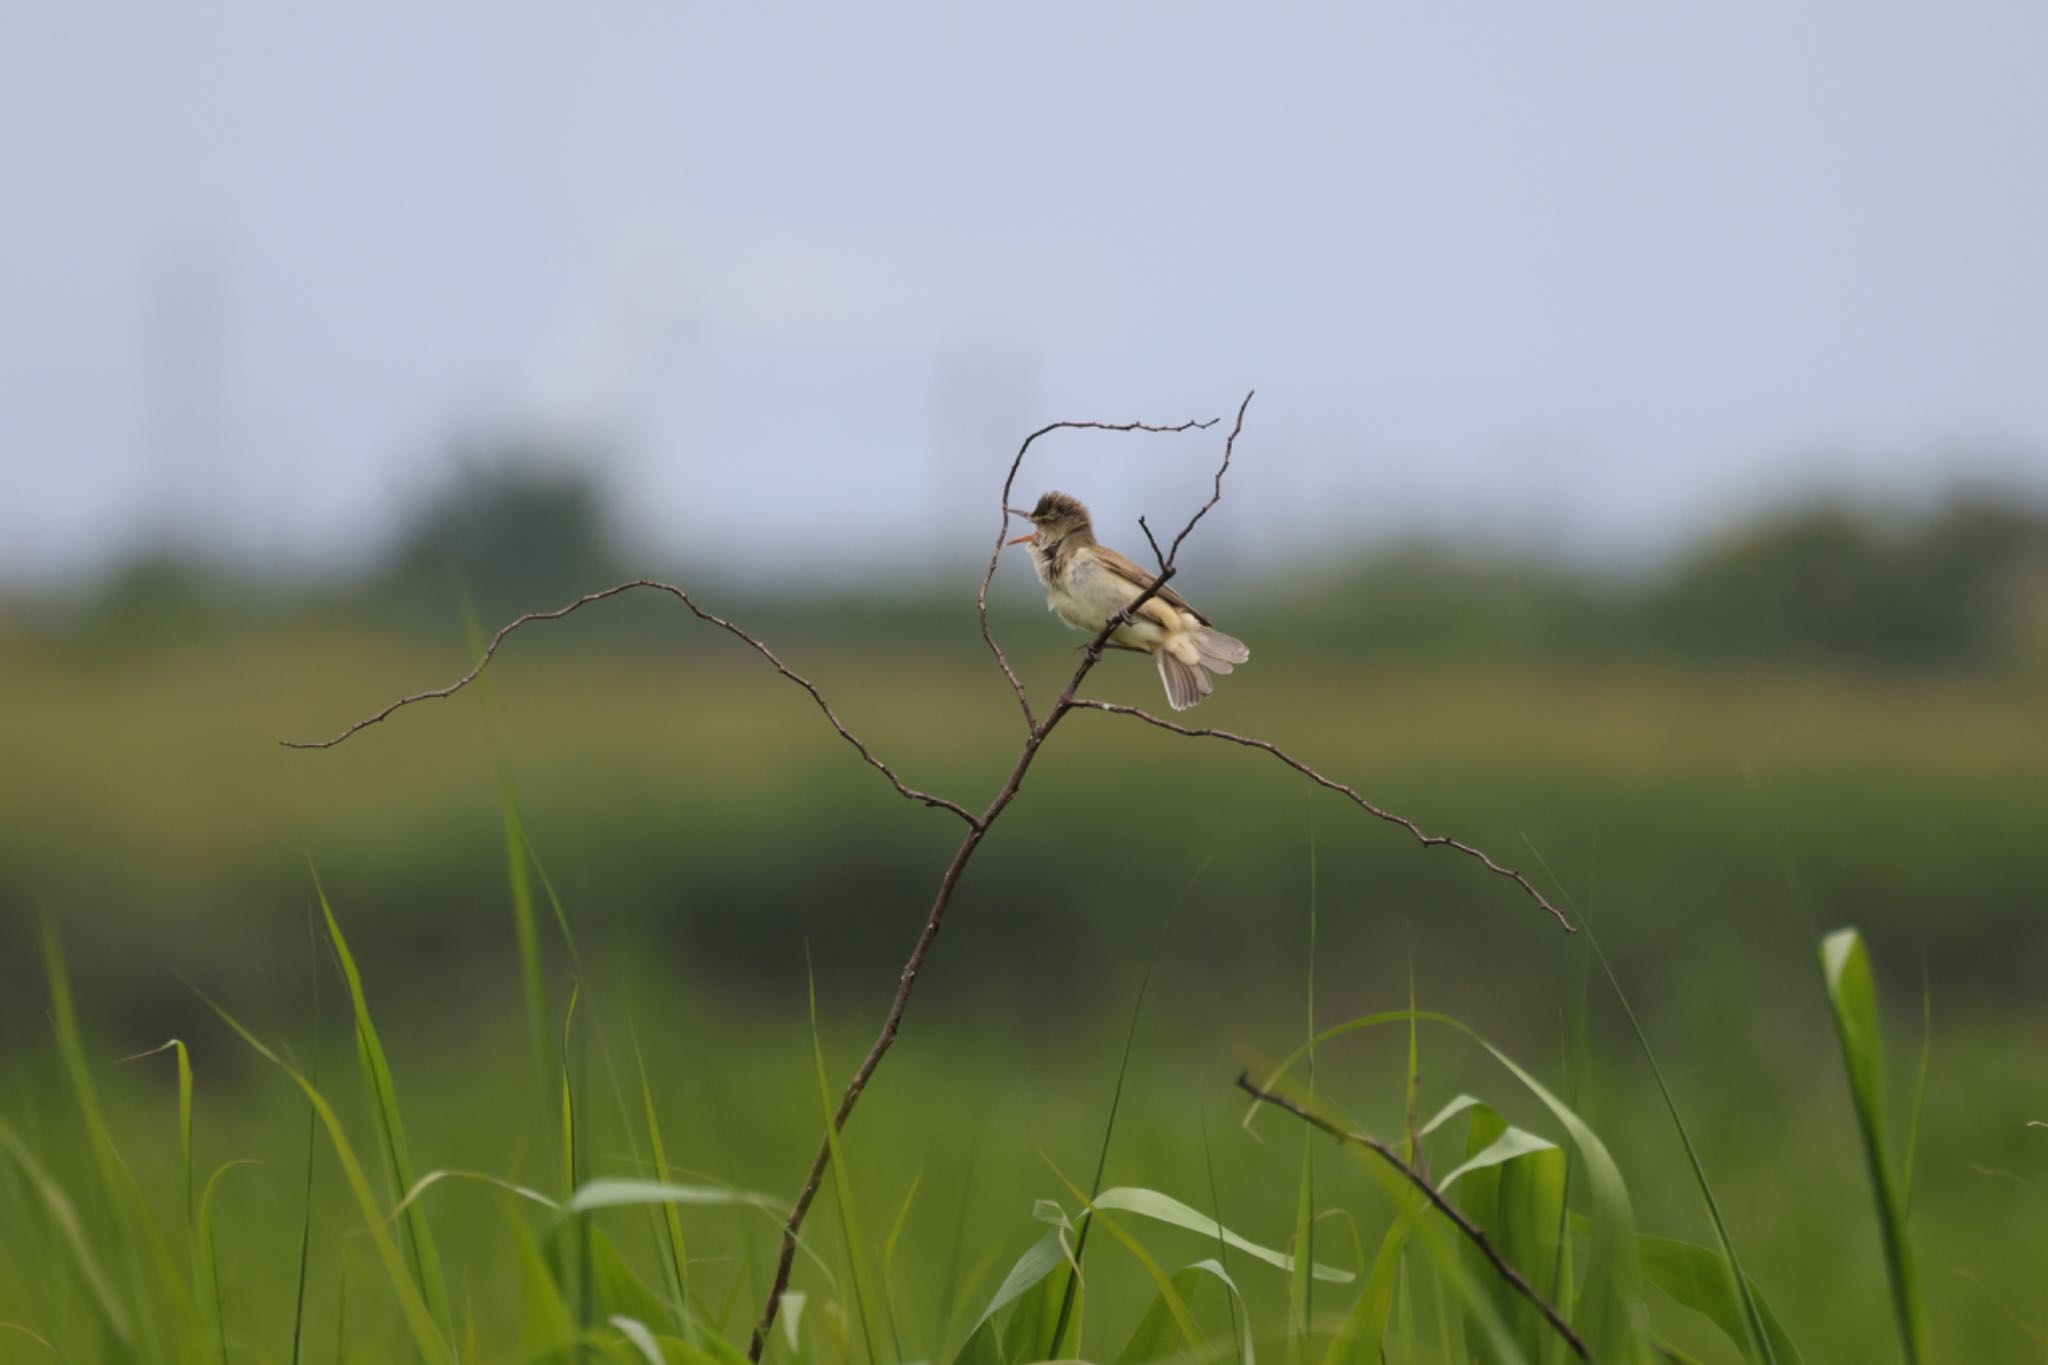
{"x":305,"y":1244}
{"x":1240,"y":1314}
{"x":205,"y":1300}
{"x":545,"y":1322}
{"x":865,"y":1300}
{"x":572,"y":1244}
{"x":131,"y":1221}
{"x":611,"y":1194}
{"x":1301,"y":1284}
{"x":1176,"y":1306}
{"x":1501,"y":1346}
{"x":1411,"y":1088}
{"x":1059,"y":1335}
{"x":184,"y":1056}
{"x":1160,"y":1334}
{"x":526,"y":929}
{"x":1852,"y":994}
{"x":106,"y":1301}
{"x":1240,"y":1318}
{"x":1029,"y":1272}
{"x":1164,"y":1208}
{"x":1530,"y":1199}
{"x":902,"y":1217}
{"x":206,"y":1266}
{"x":341,"y":1320}
{"x":1511,"y":1183}
{"x":676,"y":1259}
{"x":1756,"y":1340}
{"x":1919,"y":1104}
{"x":616,"y":1287}
{"x":376,"y":1067}
{"x":1696,"y":1277}
{"x":644,"y":1341}
{"x":1507,"y":1145}
{"x":1357,"y":1340}
{"x":425,"y":1331}
{"x":889,"y":1261}
{"x":1756,"y":1343}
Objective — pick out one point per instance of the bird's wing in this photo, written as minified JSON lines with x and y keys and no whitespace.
{"x":1125,"y":569}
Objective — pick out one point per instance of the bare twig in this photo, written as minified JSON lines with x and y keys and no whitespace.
{"x":1475,"y":1234}
{"x":1351,"y":794}
{"x":1153,"y":541}
{"x":1216,"y":495}
{"x":491,"y":650}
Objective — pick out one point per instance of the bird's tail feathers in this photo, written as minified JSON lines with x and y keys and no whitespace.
{"x":1220,"y":653}
{"x":1186,"y":684}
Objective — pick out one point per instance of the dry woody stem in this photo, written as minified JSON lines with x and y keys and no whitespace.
{"x":1473,"y":1232}
{"x":1037,"y":729}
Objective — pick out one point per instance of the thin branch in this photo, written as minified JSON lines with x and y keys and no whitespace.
{"x":1421,"y":836}
{"x":1002,"y":532}
{"x":1472,"y":1231}
{"x":1153,"y":541}
{"x":491,"y":650}
{"x":1216,"y":495}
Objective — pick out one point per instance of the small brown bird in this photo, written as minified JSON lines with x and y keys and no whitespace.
{"x":1086,"y":582}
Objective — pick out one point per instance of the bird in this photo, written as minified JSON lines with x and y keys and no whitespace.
{"x":1087,"y":583}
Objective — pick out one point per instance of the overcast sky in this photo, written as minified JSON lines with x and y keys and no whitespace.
{"x":1591,"y":277}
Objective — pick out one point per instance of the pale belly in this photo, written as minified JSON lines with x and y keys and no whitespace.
{"x":1091,"y":595}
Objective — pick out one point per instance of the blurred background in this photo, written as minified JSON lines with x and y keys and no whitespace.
{"x":1647,"y":482}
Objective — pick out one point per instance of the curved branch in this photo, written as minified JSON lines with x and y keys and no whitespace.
{"x":1421,"y":836}
{"x":491,"y":650}
{"x":1472,"y":1231}
{"x":1216,"y":495}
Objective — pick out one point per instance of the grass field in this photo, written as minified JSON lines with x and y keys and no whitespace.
{"x":702,"y":827}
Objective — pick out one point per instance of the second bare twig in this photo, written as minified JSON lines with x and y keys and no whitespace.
{"x":1473,"y":1232}
{"x":712,"y":618}
{"x":1348,"y":792}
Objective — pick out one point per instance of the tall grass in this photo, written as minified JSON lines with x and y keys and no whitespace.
{"x":604,"y":1266}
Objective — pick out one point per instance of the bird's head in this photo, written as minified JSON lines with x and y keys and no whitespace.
{"x":1057,"y":516}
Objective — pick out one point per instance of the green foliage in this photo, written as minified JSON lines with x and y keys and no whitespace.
{"x":590,"y":1275}
{"x":1698,"y":1278}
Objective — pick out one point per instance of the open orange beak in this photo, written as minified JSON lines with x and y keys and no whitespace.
{"x":1028,"y":535}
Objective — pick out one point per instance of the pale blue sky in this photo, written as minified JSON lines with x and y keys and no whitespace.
{"x":1592,"y":277}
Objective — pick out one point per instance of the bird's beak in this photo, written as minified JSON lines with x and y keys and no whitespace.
{"x":1028,"y":535}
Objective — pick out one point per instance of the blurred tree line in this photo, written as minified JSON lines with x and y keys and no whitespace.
{"x":1963,"y":584}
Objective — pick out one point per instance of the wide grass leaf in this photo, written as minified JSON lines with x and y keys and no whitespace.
{"x":1029,"y":1275}
{"x":1165,"y":1208}
{"x":1697,"y":1277}
{"x":1852,"y":994}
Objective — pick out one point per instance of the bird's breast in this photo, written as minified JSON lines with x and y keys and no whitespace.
{"x":1087,"y":594}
